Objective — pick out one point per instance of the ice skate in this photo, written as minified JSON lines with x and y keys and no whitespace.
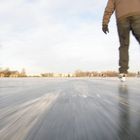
{"x":122,"y":77}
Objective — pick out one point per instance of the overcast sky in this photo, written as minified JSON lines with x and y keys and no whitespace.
{"x":59,"y":36}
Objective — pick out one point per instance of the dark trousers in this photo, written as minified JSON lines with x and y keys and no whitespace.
{"x":126,"y":25}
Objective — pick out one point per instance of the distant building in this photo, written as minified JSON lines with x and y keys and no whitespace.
{"x":14,"y":74}
{"x":2,"y":74}
{"x":47,"y":75}
{"x":57,"y":75}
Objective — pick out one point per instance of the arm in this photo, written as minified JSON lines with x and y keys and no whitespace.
{"x":109,"y":10}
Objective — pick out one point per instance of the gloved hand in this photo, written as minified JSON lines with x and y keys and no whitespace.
{"x":105,"y":29}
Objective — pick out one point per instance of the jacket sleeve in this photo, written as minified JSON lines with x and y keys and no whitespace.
{"x":109,"y":10}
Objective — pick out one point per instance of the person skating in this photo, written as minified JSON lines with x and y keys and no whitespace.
{"x":128,"y":19}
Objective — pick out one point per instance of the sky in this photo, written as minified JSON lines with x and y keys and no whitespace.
{"x":59,"y":36}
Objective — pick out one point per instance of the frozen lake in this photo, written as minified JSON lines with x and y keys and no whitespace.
{"x":69,"y":109}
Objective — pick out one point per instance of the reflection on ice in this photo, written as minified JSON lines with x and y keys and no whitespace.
{"x":124,"y":112}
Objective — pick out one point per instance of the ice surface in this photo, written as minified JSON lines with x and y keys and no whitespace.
{"x":69,"y":109}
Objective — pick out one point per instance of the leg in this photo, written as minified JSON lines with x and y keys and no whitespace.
{"x":124,"y":33}
{"x":135,"y":26}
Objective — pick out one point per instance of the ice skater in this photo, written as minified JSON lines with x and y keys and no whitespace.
{"x":128,"y":19}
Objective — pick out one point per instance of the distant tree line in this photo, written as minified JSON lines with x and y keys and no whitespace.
{"x":9,"y":73}
{"x":79,"y":73}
